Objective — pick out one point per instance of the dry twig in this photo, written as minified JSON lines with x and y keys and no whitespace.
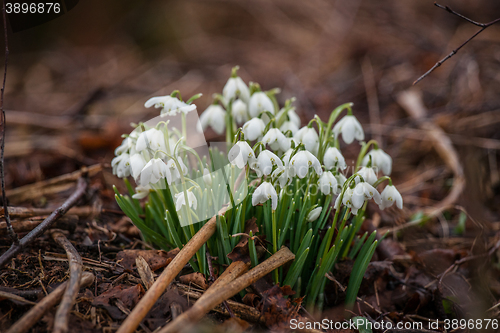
{"x":452,"y":53}
{"x":81,"y":188}
{"x":75,"y":268}
{"x":32,"y":316}
{"x":218,"y":295}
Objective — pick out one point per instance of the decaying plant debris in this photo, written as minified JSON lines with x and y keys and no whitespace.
{"x":440,"y":258}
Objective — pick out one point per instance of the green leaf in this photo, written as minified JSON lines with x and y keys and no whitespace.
{"x":296,"y":269}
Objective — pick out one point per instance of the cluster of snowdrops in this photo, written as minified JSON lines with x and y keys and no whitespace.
{"x":291,"y":181}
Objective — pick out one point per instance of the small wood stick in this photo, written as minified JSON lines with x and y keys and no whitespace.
{"x":32,"y":316}
{"x":69,"y":297}
{"x":169,"y":273}
{"x":220,"y":294}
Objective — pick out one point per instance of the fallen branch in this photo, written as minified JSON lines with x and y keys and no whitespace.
{"x":67,"y":222}
{"x":24,"y":212}
{"x":218,"y":295}
{"x":169,"y":273}
{"x":75,"y":268}
{"x":452,"y":53}
{"x":13,"y":297}
{"x":32,"y":316}
{"x":72,"y":200}
{"x":412,"y":102}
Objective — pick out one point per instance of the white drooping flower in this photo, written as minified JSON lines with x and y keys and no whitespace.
{"x":265,"y":162}
{"x":141,"y":192}
{"x":389,"y":196}
{"x":308,"y":137}
{"x":137,"y":163}
{"x":152,"y":139}
{"x":260,"y":102}
{"x":236,"y":88}
{"x":276,"y":140}
{"x":253,"y":129}
{"x":362,"y":192}
{"x":302,"y":161}
{"x":380,"y":160}
{"x":180,"y":200}
{"x":289,"y":126}
{"x":215,"y":117}
{"x":350,"y":128}
{"x":241,"y":154}
{"x":341,"y":179}
{"x":292,"y":116}
{"x":207,"y":177}
{"x":333,"y":159}
{"x":169,"y":105}
{"x":263,"y":193}
{"x":314,"y":214}
{"x":127,"y":143}
{"x":121,"y":165}
{"x":153,"y":171}
{"x":174,"y":170}
{"x":328,"y":183}
{"x":239,"y":111}
{"x":368,"y":175}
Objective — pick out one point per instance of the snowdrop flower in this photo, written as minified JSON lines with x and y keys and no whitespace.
{"x":239,"y":111}
{"x":368,"y":175}
{"x":289,"y":126}
{"x":389,"y":196}
{"x":253,"y":129}
{"x":292,"y":116}
{"x":153,"y":171}
{"x":314,"y":214}
{"x":328,"y":183}
{"x":340,"y":180}
{"x":260,"y":102}
{"x":180,"y":200}
{"x":380,"y":160}
{"x":174,"y":171}
{"x":235,"y":87}
{"x":207,"y":177}
{"x":350,"y":128}
{"x":265,"y":162}
{"x":344,"y":199}
{"x":169,"y":105}
{"x":263,"y":193}
{"x":283,"y":175}
{"x":152,"y":138}
{"x":276,"y":140}
{"x":302,"y":161}
{"x":121,"y":165}
{"x":309,"y":137}
{"x":215,"y":117}
{"x":362,"y":192}
{"x":241,"y":154}
{"x":333,"y":159}
{"x":141,"y":192}
{"x":124,"y":147}
{"x":137,"y":163}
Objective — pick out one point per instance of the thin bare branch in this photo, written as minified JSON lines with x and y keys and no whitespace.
{"x":483,"y":26}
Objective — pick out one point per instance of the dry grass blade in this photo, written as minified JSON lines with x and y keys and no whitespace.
{"x":7,"y":295}
{"x":181,"y":259}
{"x":32,"y":316}
{"x":75,"y":268}
{"x":220,"y":294}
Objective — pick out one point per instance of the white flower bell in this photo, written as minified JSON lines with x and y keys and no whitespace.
{"x":180,"y":200}
{"x":368,"y":175}
{"x":350,"y":128}
{"x":127,"y":143}
{"x":265,"y":162}
{"x":207,"y":177}
{"x":241,"y":154}
{"x":253,"y":129}
{"x":152,"y":139}
{"x":170,"y":106}
{"x":289,"y":126}
{"x":308,"y":137}
{"x":121,"y":165}
{"x":328,"y":183}
{"x":174,"y":170}
{"x":380,"y":159}
{"x":153,"y":171}
{"x":215,"y":117}
{"x":263,"y":193}
{"x":234,"y":88}
{"x":239,"y":111}
{"x":333,"y":159}
{"x":363,"y":191}
{"x":276,"y":140}
{"x":314,"y":214}
{"x":137,"y":163}
{"x":292,"y":116}
{"x":389,"y":196}
{"x":141,"y":192}
{"x":260,"y":102}
{"x":302,"y":161}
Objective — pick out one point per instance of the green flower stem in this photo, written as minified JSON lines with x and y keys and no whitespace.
{"x":275,"y":243}
{"x":381,"y":180}
{"x":363,"y":151}
{"x":333,"y":116}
